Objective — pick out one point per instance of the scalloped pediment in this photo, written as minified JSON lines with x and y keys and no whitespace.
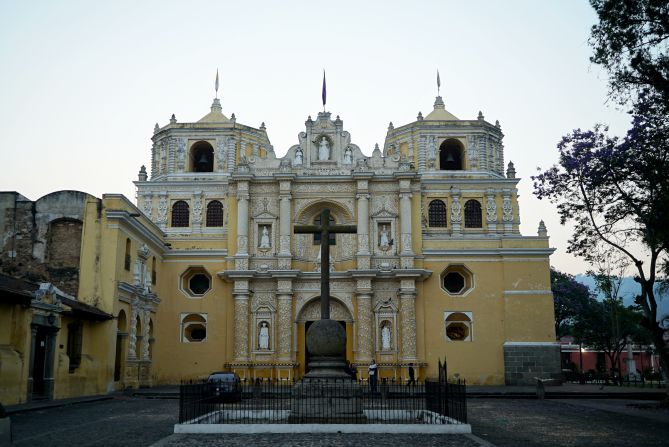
{"x":383,"y":212}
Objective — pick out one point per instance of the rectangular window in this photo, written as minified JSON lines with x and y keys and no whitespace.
{"x":75,"y":332}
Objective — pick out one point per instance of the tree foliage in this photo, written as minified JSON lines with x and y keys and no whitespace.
{"x":631,"y":41}
{"x":616,"y":193}
{"x":570,"y":298}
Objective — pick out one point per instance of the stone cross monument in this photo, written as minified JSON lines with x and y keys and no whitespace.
{"x":326,"y":339}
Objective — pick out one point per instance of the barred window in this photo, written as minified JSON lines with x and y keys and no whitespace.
{"x":473,"y":217}
{"x":215,"y":214}
{"x":180,"y":214}
{"x":317,"y":236}
{"x":437,"y":214}
{"x":127,"y":259}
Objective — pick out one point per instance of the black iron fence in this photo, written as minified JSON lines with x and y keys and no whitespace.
{"x":605,"y":378}
{"x":345,"y":401}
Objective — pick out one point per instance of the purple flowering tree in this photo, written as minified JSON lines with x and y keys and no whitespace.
{"x":615,"y":191}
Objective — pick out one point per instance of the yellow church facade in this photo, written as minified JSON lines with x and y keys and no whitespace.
{"x":204,"y":273}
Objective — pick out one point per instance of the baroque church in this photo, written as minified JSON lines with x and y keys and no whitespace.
{"x":205,"y":272}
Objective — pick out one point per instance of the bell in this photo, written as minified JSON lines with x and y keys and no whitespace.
{"x":203,"y":161}
{"x":449,"y":158}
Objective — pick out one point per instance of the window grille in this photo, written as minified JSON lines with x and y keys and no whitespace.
{"x":437,"y":214}
{"x":473,"y":217}
{"x":215,"y":214}
{"x":180,"y":214}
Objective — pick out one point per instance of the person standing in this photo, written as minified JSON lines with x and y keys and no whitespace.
{"x":372,"y":372}
{"x":412,"y":375}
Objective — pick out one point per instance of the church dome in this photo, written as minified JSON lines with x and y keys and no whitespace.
{"x":440,"y":113}
{"x":216,"y":114}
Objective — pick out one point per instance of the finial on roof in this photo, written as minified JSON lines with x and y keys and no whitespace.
{"x":156,"y":128}
{"x":233,"y":118}
{"x":377,"y":151}
{"x":173,"y":119}
{"x":510,"y":170}
{"x":420,"y":116}
{"x":497,"y":124}
{"x":390,"y":126}
{"x":480,"y":117}
{"x":439,"y":103}
{"x":438,"y":82}
{"x":216,"y":84}
{"x":262,"y":126}
{"x":142,"y":176}
{"x":542,"y":231}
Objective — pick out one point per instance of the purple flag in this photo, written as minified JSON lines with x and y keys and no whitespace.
{"x":324,"y":94}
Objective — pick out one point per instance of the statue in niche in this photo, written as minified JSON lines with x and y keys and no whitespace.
{"x":263,"y":336}
{"x":384,"y":237}
{"x":324,"y":149}
{"x":385,"y":337}
{"x":264,"y":238}
{"x":348,"y":156}
{"x":299,"y":156}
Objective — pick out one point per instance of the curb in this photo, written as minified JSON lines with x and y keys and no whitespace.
{"x":25,"y":408}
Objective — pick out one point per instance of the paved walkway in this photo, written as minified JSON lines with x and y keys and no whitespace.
{"x":308,"y":440}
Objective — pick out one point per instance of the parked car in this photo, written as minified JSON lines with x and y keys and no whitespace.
{"x":223,"y":386}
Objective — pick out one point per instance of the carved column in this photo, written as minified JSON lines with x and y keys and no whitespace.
{"x":507,"y":211}
{"x":132,"y":337}
{"x":405,"y":222}
{"x":456,"y":212}
{"x":197,"y":211}
{"x":232,"y":154}
{"x":365,"y":327}
{"x":408,"y":318}
{"x":421,"y":154}
{"x":241,"y":325}
{"x":284,"y":225}
{"x":285,"y":313}
{"x":242,"y":218}
{"x":363,"y":224}
{"x":491,"y":210}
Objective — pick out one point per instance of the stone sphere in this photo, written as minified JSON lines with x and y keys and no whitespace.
{"x":326,"y":338}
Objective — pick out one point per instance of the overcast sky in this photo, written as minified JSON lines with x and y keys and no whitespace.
{"x":83,"y":83}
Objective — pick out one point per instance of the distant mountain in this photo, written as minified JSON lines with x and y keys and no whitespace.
{"x":629,"y":289}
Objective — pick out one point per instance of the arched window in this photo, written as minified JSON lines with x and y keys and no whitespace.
{"x":437,"y":214}
{"x":214,"y":214}
{"x":317,"y":236}
{"x":180,"y":214}
{"x":127,"y":258}
{"x":473,"y":217}
{"x":202,"y":157}
{"x":450,"y":156}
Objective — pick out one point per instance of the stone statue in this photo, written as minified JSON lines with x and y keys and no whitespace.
{"x":385,"y":338}
{"x":384,"y":240}
{"x":324,"y":149}
{"x":264,"y":238}
{"x":299,"y":156}
{"x":348,"y":156}
{"x":263,"y":337}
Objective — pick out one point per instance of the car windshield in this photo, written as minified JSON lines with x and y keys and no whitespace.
{"x":221,"y":378}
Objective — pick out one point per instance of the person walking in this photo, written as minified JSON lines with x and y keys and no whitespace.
{"x":412,"y":375}
{"x":372,"y":372}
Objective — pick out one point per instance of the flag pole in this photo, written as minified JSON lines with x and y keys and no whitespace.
{"x":324,"y":92}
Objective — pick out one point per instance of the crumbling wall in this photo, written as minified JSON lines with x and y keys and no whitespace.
{"x":41,"y":240}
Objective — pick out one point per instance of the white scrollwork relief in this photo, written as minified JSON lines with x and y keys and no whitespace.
{"x":221,"y":153}
{"x":507,"y":209}
{"x":181,"y":154}
{"x":456,"y":210}
{"x":147,"y":206}
{"x":162,"y":210}
{"x":242,"y":243}
{"x":491,"y":209}
{"x":197,"y":209}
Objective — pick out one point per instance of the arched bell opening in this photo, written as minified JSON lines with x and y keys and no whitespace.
{"x":451,"y":156}
{"x":202,"y":157}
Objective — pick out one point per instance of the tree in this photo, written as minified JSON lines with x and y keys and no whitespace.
{"x":631,"y":43}
{"x":616,"y":193}
{"x":570,"y":298}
